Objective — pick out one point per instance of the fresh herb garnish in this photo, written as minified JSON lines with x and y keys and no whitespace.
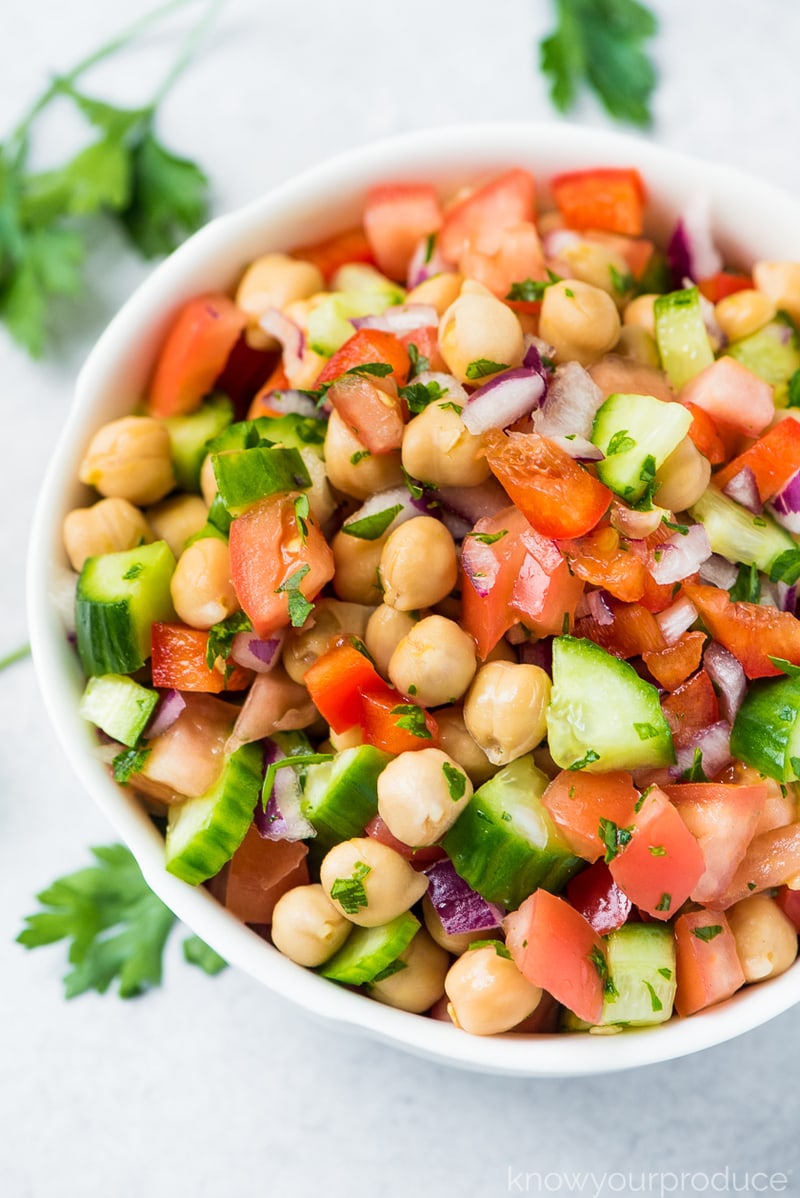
{"x":482,"y":367}
{"x":451,"y":406}
{"x":640,"y":801}
{"x":296,"y":760}
{"x":412,"y":719}
{"x":647,"y":475}
{"x":601,"y":965}
{"x":664,"y":903}
{"x":350,"y":892}
{"x":133,"y":571}
{"x":301,"y":513}
{"x":620,"y":443}
{"x":622,"y":283}
{"x":419,"y":395}
{"x":665,"y":973}
{"x":456,"y":781}
{"x":359,"y":456}
{"x":531,"y":291}
{"x":497,"y":945}
{"x":378,"y":369}
{"x":588,"y":758}
{"x":613,"y":837}
{"x":415,"y":487}
{"x":391,"y":969}
{"x":747,"y":588}
{"x":419,"y":363}
{"x":657,"y":850}
{"x":370,"y":528}
{"x":299,"y":606}
{"x":708,"y":932}
{"x":645,"y":731}
{"x":787,"y":667}
{"x":487,"y":538}
{"x":430,"y":242}
{"x":683,"y":529}
{"x":786,"y":567}
{"x":793,"y":393}
{"x":127,"y":763}
{"x":220,"y":639}
{"x":655,"y":1001}
{"x":695,"y":772}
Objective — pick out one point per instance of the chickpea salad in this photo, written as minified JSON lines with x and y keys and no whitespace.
{"x":440,"y":602}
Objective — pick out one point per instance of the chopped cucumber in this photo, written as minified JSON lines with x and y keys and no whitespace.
{"x":118,"y":705}
{"x":293,"y":431}
{"x":766,"y":731}
{"x":602,"y":715}
{"x":681,"y":335}
{"x":190,"y":436}
{"x":368,"y":951}
{"x":329,"y":322}
{"x":204,"y":833}
{"x":772,"y":352}
{"x":641,"y":968}
{"x":504,"y":843}
{"x":737,"y":534}
{"x":119,"y":598}
{"x":248,"y":475}
{"x":340,"y":797}
{"x":637,"y":433}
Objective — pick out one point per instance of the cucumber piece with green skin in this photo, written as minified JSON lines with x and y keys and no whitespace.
{"x":340,"y":797}
{"x":504,"y":843}
{"x":681,"y":335}
{"x":293,"y":431}
{"x":119,"y":597}
{"x":329,"y":322}
{"x":190,"y":436}
{"x":602,"y":715}
{"x":246,"y":476}
{"x":204,"y":833}
{"x":637,"y":433}
{"x":737,"y":534}
{"x":766,"y":731}
{"x":641,"y":971}
{"x":217,"y":525}
{"x":118,"y":705}
{"x":772,"y":352}
{"x":367,"y":952}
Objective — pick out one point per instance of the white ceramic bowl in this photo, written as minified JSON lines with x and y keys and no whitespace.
{"x":751,"y":220}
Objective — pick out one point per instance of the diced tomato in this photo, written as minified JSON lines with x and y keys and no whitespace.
{"x":789,"y":902}
{"x":368,"y":345}
{"x":336,"y":251}
{"x":661,"y":863}
{"x":690,"y":708}
{"x":672,"y":665}
{"x":187,"y":758}
{"x":336,"y":682}
{"x":705,"y":434}
{"x":773,"y":459}
{"x":483,"y":216}
{"x":380,"y":728}
{"x":599,"y":899}
{"x":609,"y":198}
{"x":267,"y":551}
{"x":426,"y":341}
{"x":396,"y":217}
{"x":772,"y":859}
{"x":603,"y":559}
{"x":556,"y":948}
{"x":751,"y":632}
{"x":545,"y":592}
{"x":260,"y":872}
{"x":707,"y":966}
{"x":723,"y":283}
{"x":723,"y":819}
{"x":179,"y":662}
{"x":194,"y":354}
{"x":578,"y":801}
{"x":375,"y":416}
{"x":419,"y":858}
{"x":519,"y":256}
{"x":633,"y":630}
{"x":732,"y":395}
{"x":260,"y":405}
{"x":557,"y":496}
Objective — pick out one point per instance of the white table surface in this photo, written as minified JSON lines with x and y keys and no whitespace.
{"x":215,"y":1087}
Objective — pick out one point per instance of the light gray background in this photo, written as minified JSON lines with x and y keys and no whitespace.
{"x":214,"y":1087}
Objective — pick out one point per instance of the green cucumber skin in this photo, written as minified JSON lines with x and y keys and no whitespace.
{"x":329,"y":322}
{"x":635,"y":954}
{"x":246,"y":476}
{"x":368,"y":951}
{"x":291,"y":430}
{"x":769,"y":355}
{"x":191,"y":435}
{"x":766,"y":727}
{"x":118,"y":705}
{"x":341,"y":797}
{"x":737,"y":534}
{"x":657,"y":428}
{"x":681,"y":336}
{"x":204,"y":833}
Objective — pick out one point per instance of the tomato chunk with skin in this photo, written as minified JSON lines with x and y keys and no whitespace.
{"x":419,"y":858}
{"x":269,"y":550}
{"x":661,"y":863}
{"x":259,"y":872}
{"x":365,"y":346}
{"x":545,"y":593}
{"x":557,"y":496}
{"x":633,"y":630}
{"x":773,"y":459}
{"x":179,"y":662}
{"x":673,"y":664}
{"x":789,"y":902}
{"x":690,"y":708}
{"x":557,"y":949}
{"x":481,"y":218}
{"x":336,"y":682}
{"x":374,"y":415}
{"x":717,"y":286}
{"x":599,"y":899}
{"x":772,"y":859}
{"x":707,"y":966}
{"x":732,"y":395}
{"x":194,"y":354}
{"x":578,"y":802}
{"x":609,"y":198}
{"x":519,"y":256}
{"x":750,"y":632}
{"x":396,"y":217}
{"x":380,"y":727}
{"x":723,"y":819}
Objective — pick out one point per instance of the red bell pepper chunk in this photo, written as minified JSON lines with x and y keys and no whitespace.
{"x":659,"y":862}
{"x":751,"y":632}
{"x":633,"y":630}
{"x":179,"y":662}
{"x":368,"y":345}
{"x":610,"y":198}
{"x":716,"y":287}
{"x":672,"y":665}
{"x":379,"y":723}
{"x":194,"y":354}
{"x":336,"y":682}
{"x":707,"y":966}
{"x":706,"y":436}
{"x":426,"y":341}
{"x":774,"y":458}
{"x":690,"y":708}
{"x":599,"y":899}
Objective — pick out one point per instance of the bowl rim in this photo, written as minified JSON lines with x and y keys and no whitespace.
{"x":445,"y":151}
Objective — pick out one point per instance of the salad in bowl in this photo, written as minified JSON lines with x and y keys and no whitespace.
{"x":431,"y":598}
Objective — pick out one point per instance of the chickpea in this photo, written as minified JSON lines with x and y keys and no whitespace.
{"x":352,"y":468}
{"x":176,"y":519}
{"x":487,"y":992}
{"x":743,"y":313}
{"x":599,"y":265}
{"x":636,"y":345}
{"x":130,"y":459}
{"x":440,"y":291}
{"x":505,"y":709}
{"x":386,"y":628}
{"x":438,"y":447}
{"x":419,"y":565}
{"x":434,"y":663}
{"x":501,"y":652}
{"x":421,"y":794}
{"x":780,"y":283}
{"x":455,"y":943}
{"x":356,"y":564}
{"x":457,"y":742}
{"x":640,"y":312}
{"x":766,"y":939}
{"x":208,"y":481}
{"x":201,"y":586}
{"x":477,"y":325}
{"x":273,"y":281}
{"x":421,"y":983}
{"x":109,"y":526}
{"x":581,"y":322}
{"x":683,"y":477}
{"x":330,"y":618}
{"x":306,"y":927}
{"x":375,"y":884}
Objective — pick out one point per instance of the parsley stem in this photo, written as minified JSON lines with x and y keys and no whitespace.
{"x":16,"y":655}
{"x":188,"y":50}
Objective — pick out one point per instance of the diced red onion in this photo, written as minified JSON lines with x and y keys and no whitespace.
{"x":719,"y":572}
{"x":474,"y":503}
{"x":282,"y":819}
{"x":425,"y":264}
{"x":785,"y":505}
{"x":536,"y":653}
{"x":579,"y":448}
{"x":743,"y":488}
{"x":293,"y":401}
{"x":403,"y":318}
{"x":787,"y":596}
{"x":457,"y":526}
{"x":169,"y":707}
{"x":728,"y":676}
{"x":459,"y":907}
{"x":714,"y":744}
{"x":681,"y":555}
{"x":249,"y":651}
{"x":635,"y":525}
{"x":503,"y":400}
{"x":480,"y":565}
{"x":676,"y":619}
{"x":557,"y":240}
{"x":289,"y":334}
{"x":570,"y":405}
{"x":691,"y":250}
{"x":713,"y":327}
{"x":596,"y":607}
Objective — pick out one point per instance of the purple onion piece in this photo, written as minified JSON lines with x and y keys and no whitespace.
{"x":729,"y":678}
{"x":676,"y":619}
{"x":282,"y":819}
{"x":403,"y":318}
{"x":678,"y":254}
{"x":459,"y":907}
{"x":598,"y":607}
{"x":714,"y":744}
{"x":252,"y":653}
{"x":571,"y":404}
{"x":785,"y":505}
{"x":169,"y":707}
{"x":691,"y":252}
{"x":743,"y":489}
{"x":787,"y":597}
{"x":480,"y":565}
{"x":424,"y":264}
{"x":288,"y":401}
{"x":681,"y":555}
{"x":719,"y":572}
{"x":503,"y":400}
{"x":474,"y":503}
{"x":457,"y":526}
{"x":538,"y":653}
{"x":289,"y":334}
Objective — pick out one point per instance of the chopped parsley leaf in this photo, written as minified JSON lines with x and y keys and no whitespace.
{"x":695,"y":772}
{"x":133,"y":571}
{"x":598,"y":960}
{"x":786,"y":567}
{"x":664,"y":903}
{"x":391,"y":969}
{"x":747,"y":588}
{"x":655,"y":1001}
{"x":359,"y":456}
{"x":220,"y":639}
{"x":487,"y":538}
{"x":620,"y":443}
{"x":128,"y":762}
{"x":588,"y":758}
{"x":456,"y":781}
{"x":419,"y":395}
{"x":481,"y":368}
{"x":412,"y":719}
{"x":709,"y":932}
{"x":301,"y":512}
{"x":497,"y":945}
{"x":370,"y":528}
{"x":531,"y":291}
{"x":377,"y":369}
{"x":657,"y":850}
{"x":613,"y":837}
{"x":350,"y":892}
{"x":645,"y":731}
{"x":419,"y":363}
{"x":299,"y":606}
